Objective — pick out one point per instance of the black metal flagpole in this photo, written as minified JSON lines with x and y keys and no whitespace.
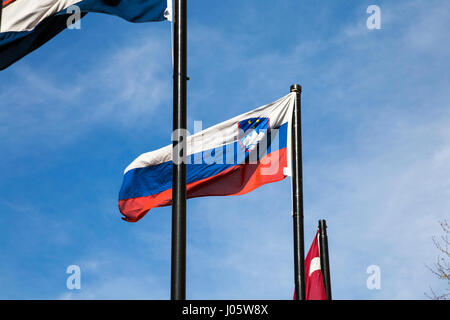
{"x":297,"y":197}
{"x":324,"y":257}
{"x":178,"y":268}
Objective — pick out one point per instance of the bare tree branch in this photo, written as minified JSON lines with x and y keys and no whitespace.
{"x":441,"y":269}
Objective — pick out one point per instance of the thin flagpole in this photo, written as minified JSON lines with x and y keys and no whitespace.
{"x":178,"y":267}
{"x":324,"y":257}
{"x":297,"y":197}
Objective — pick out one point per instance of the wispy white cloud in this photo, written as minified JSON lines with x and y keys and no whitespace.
{"x":118,"y":91}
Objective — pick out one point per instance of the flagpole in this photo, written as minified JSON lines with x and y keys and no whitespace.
{"x":324,"y":257}
{"x":297,"y":196}
{"x":178,"y":267}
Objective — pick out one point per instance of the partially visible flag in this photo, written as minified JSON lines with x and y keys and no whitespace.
{"x":25,"y":25}
{"x":315,"y":287}
{"x":230,"y":158}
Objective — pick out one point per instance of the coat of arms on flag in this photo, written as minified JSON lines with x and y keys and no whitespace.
{"x":252,"y":131}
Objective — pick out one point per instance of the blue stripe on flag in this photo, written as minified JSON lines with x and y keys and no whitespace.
{"x":16,"y":45}
{"x":141,"y":182}
{"x":130,"y":10}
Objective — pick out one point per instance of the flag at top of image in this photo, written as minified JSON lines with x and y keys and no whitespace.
{"x":25,"y":25}
{"x":231,"y":158}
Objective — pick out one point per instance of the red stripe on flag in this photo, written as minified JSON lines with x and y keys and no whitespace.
{"x":236,"y":180}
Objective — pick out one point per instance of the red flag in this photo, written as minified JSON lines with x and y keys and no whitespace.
{"x":315,"y":288}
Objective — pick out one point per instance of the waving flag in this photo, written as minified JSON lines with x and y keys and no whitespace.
{"x":230,"y":158}
{"x":315,"y":287}
{"x":25,"y":25}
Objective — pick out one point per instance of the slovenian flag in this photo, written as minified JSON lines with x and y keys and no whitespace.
{"x":25,"y":25}
{"x":230,"y":158}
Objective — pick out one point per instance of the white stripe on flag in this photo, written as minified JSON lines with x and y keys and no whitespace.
{"x":278,"y":112}
{"x":25,"y":15}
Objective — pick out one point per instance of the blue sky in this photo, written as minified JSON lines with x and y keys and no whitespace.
{"x":376,"y":136}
